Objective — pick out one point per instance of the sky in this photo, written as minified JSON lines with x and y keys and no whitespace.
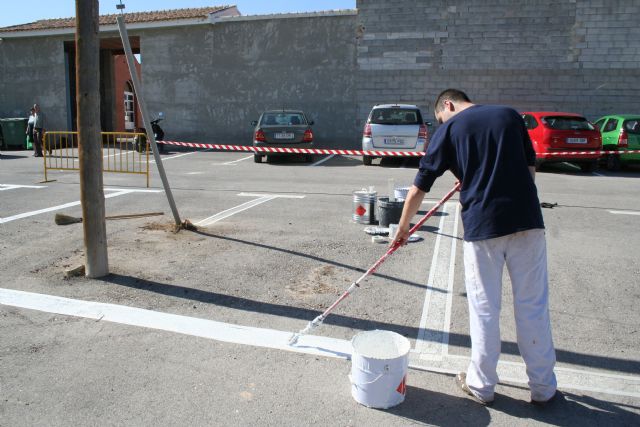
{"x":15,"y":13}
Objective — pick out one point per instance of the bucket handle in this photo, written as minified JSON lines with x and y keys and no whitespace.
{"x":367,"y":383}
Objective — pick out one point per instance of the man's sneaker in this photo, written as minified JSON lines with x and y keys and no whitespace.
{"x":542,"y":403}
{"x":461,"y":380}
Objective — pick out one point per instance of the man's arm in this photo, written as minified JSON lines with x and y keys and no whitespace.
{"x":411,"y":205}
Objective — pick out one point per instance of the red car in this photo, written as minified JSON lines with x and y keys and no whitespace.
{"x":558,"y":132}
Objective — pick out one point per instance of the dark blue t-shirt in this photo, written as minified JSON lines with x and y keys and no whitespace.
{"x":488,"y":149}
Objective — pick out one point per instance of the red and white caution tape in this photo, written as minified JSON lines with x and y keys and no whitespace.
{"x":578,"y":153}
{"x":293,"y":150}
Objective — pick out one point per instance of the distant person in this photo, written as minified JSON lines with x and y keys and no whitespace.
{"x":29,"y":131}
{"x":488,"y":149}
{"x":38,"y":131}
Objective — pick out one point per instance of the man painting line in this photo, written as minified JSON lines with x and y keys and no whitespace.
{"x":488,"y":149}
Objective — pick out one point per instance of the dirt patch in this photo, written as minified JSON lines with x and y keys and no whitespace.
{"x":320,"y":281}
{"x":161,"y":226}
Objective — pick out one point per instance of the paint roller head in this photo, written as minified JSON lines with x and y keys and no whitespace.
{"x":310,"y":326}
{"x":294,"y":339}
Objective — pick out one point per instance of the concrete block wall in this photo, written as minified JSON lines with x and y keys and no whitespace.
{"x":581,"y":56}
{"x":212,"y":81}
{"x":32,"y":71}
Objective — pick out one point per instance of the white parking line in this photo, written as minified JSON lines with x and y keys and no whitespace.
{"x":239,"y":160}
{"x":261,"y":198}
{"x":5,"y":187}
{"x":204,"y":328}
{"x":281,"y":196}
{"x":321,"y":161}
{"x":568,"y":378}
{"x":180,"y":155}
{"x":433,"y":322}
{"x":232,"y":211}
{"x":118,"y":192}
{"x":625,"y":212}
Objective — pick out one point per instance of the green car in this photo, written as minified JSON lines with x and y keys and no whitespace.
{"x":620,"y":132}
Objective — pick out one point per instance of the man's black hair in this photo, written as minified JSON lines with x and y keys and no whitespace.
{"x":454,"y":95}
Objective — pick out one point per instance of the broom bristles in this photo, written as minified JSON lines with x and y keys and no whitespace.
{"x":62,"y":219}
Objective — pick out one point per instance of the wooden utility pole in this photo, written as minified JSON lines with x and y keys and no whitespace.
{"x":90,"y":142}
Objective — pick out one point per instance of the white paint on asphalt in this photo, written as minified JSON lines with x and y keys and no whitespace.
{"x":225,"y":332}
{"x":118,"y":192}
{"x":119,"y":153}
{"x":515,"y":372}
{"x":430,"y":338}
{"x":568,"y":378}
{"x":233,"y":162}
{"x":452,"y":264}
{"x":179,"y":155}
{"x":625,"y":212}
{"x":261,"y":198}
{"x":321,"y":161}
{"x":234,"y":210}
{"x":133,"y":190}
{"x":5,"y":187}
{"x":281,"y":196}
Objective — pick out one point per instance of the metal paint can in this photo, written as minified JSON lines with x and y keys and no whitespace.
{"x":364,"y":206}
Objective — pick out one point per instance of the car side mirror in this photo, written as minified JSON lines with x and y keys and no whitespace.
{"x":253,"y":123}
{"x":311,"y":123}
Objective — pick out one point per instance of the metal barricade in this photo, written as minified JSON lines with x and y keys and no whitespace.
{"x":122,"y":152}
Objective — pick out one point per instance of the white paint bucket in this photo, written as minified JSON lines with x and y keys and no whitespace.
{"x":379,"y":365}
{"x":401,"y":193}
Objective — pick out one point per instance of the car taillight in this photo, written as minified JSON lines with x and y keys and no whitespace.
{"x":623,"y":139}
{"x":308,"y":136}
{"x":367,"y":131}
{"x":422,"y":133}
{"x":259,"y":136}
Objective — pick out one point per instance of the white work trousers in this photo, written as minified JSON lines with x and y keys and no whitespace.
{"x":525,"y":254}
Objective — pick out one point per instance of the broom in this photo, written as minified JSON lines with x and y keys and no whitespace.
{"x":62,"y":219}
{"x":318,"y":320}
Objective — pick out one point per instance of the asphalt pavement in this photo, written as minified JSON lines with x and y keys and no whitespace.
{"x":191,"y":328}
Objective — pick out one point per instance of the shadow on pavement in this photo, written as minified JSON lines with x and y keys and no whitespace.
{"x":569,"y":409}
{"x":434,"y":408}
{"x":4,"y":156}
{"x":245,"y":304}
{"x":440,"y":409}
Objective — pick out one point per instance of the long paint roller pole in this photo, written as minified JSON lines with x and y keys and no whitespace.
{"x":318,"y":320}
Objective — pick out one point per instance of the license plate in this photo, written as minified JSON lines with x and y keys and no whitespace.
{"x":576,"y":140}
{"x":394,"y":141}
{"x":283,"y":135}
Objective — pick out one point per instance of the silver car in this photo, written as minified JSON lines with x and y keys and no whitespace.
{"x":282,"y":129}
{"x":394,"y":127}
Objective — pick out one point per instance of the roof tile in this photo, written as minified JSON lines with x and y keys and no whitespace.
{"x":134,"y":17}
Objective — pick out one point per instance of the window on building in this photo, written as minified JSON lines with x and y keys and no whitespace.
{"x":129,"y":108}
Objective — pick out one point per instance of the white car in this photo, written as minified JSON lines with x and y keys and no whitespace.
{"x":394,"y":127}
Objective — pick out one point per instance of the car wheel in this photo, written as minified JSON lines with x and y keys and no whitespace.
{"x":538,"y":165}
{"x":613,"y":162}
{"x":257,"y":158}
{"x":366,"y":160}
{"x":589,"y":166}
{"x":268,"y":158}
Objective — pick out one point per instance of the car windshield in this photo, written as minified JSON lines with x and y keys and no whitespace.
{"x":283,"y":119}
{"x":395,"y":116}
{"x":567,"y":123}
{"x":632,"y":126}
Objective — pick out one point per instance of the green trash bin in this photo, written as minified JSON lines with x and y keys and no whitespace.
{"x":13,"y":132}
